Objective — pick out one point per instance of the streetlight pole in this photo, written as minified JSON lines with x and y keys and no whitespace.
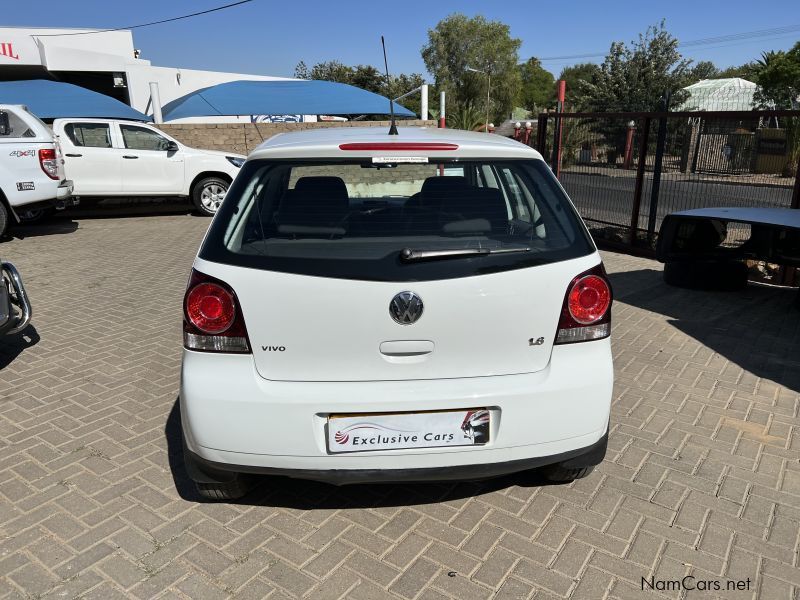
{"x":488,"y":92}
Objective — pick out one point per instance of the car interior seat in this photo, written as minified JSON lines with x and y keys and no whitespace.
{"x":315,"y":202}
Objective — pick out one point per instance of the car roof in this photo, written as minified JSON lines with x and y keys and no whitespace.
{"x":325,"y":143}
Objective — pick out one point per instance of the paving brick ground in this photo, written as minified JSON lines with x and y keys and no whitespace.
{"x":702,"y":477}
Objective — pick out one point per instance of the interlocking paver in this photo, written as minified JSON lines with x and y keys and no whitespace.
{"x":701,"y":475}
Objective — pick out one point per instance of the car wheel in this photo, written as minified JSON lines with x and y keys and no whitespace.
{"x":559,"y":474}
{"x":208,"y":194}
{"x":3,"y":219}
{"x":230,"y":490}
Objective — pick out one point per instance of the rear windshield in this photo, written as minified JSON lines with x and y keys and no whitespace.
{"x":357,"y":219}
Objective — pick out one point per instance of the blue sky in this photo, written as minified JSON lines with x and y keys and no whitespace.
{"x":269,"y":37}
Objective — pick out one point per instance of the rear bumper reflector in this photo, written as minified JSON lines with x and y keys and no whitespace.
{"x":583,"y":334}
{"x":214,"y":343}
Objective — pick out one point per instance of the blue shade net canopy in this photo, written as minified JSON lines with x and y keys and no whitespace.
{"x":54,"y":100}
{"x":280,"y":98}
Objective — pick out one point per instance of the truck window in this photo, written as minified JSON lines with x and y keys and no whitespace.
{"x":17,"y":127}
{"x":141,"y":138}
{"x":89,"y":135}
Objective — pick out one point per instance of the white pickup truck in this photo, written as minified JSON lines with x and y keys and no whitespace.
{"x":107,"y":158}
{"x":31,"y":167}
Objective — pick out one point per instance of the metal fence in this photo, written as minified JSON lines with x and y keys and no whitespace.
{"x":626,"y":171}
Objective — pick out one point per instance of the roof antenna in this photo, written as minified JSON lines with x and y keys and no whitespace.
{"x":393,"y":128}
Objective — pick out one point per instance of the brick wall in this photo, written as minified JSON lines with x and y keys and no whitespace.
{"x":242,"y":138}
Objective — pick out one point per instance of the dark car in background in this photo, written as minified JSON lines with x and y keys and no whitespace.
{"x":15,"y":308}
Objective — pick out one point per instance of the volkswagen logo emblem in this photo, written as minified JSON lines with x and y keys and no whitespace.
{"x":406,"y":308}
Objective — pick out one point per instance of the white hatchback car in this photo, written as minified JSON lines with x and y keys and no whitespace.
{"x":368,"y":308}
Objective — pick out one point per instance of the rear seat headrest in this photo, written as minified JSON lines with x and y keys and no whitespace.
{"x":439,"y":185}
{"x":326,"y":186}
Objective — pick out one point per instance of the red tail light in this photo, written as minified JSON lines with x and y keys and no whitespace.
{"x":212,"y":317}
{"x":586,"y":312}
{"x":48,"y":162}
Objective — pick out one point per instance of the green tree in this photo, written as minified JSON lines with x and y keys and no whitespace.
{"x":745,"y":71}
{"x":778,"y":77}
{"x":537,"y":90}
{"x":325,"y":71}
{"x":705,"y":69}
{"x":467,"y":117}
{"x":636,"y":78}
{"x":365,"y":77}
{"x":576,"y":78}
{"x":458,"y":42}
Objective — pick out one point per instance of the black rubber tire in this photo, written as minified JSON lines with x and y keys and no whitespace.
{"x":559,"y":474}
{"x":707,"y":275}
{"x":4,"y":217}
{"x":231,"y":490}
{"x":197,"y":193}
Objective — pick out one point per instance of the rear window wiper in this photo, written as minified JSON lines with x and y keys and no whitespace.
{"x":415,"y":254}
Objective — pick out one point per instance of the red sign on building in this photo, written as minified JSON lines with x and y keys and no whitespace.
{"x":7,"y":49}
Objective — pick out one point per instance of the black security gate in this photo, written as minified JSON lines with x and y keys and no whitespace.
{"x":626,"y":171}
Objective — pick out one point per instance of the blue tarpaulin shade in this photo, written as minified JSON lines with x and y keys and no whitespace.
{"x":293,"y":97}
{"x":54,"y":100}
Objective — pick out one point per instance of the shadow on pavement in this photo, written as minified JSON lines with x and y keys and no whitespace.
{"x":304,"y":495}
{"x":42,"y":228}
{"x":113,"y":209}
{"x":757,"y":328}
{"x":11,"y":346}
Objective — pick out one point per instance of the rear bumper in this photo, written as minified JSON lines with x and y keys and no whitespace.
{"x":65,"y":189}
{"x":63,"y":198}
{"x":205,"y":471}
{"x":232,"y":416}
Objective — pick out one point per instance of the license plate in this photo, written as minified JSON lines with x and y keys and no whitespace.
{"x":396,"y":431}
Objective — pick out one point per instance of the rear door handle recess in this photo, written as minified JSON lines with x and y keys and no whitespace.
{"x":75,"y":155}
{"x":406,"y":348}
{"x":129,"y":156}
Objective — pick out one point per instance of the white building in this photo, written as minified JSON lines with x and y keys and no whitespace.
{"x":105,"y":62}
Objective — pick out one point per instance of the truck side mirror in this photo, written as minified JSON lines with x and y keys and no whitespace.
{"x":5,"y":125}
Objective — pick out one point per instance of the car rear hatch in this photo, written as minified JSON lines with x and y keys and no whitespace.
{"x":348,"y":271}
{"x":304,"y":328}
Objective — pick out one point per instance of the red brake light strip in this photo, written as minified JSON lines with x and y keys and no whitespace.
{"x":400,"y":146}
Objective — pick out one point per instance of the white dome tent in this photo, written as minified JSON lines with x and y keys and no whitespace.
{"x":732,"y":93}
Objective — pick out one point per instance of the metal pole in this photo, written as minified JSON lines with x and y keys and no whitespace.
{"x":155,"y":100}
{"x":629,"y":146}
{"x":408,"y":93}
{"x":637,"y":192}
{"x":541,"y":134}
{"x":661,"y":140}
{"x":424,"y":102}
{"x":556,"y":158}
{"x":442,"y":121}
{"x":789,"y":272}
{"x":562,"y":98}
{"x":488,"y":100}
